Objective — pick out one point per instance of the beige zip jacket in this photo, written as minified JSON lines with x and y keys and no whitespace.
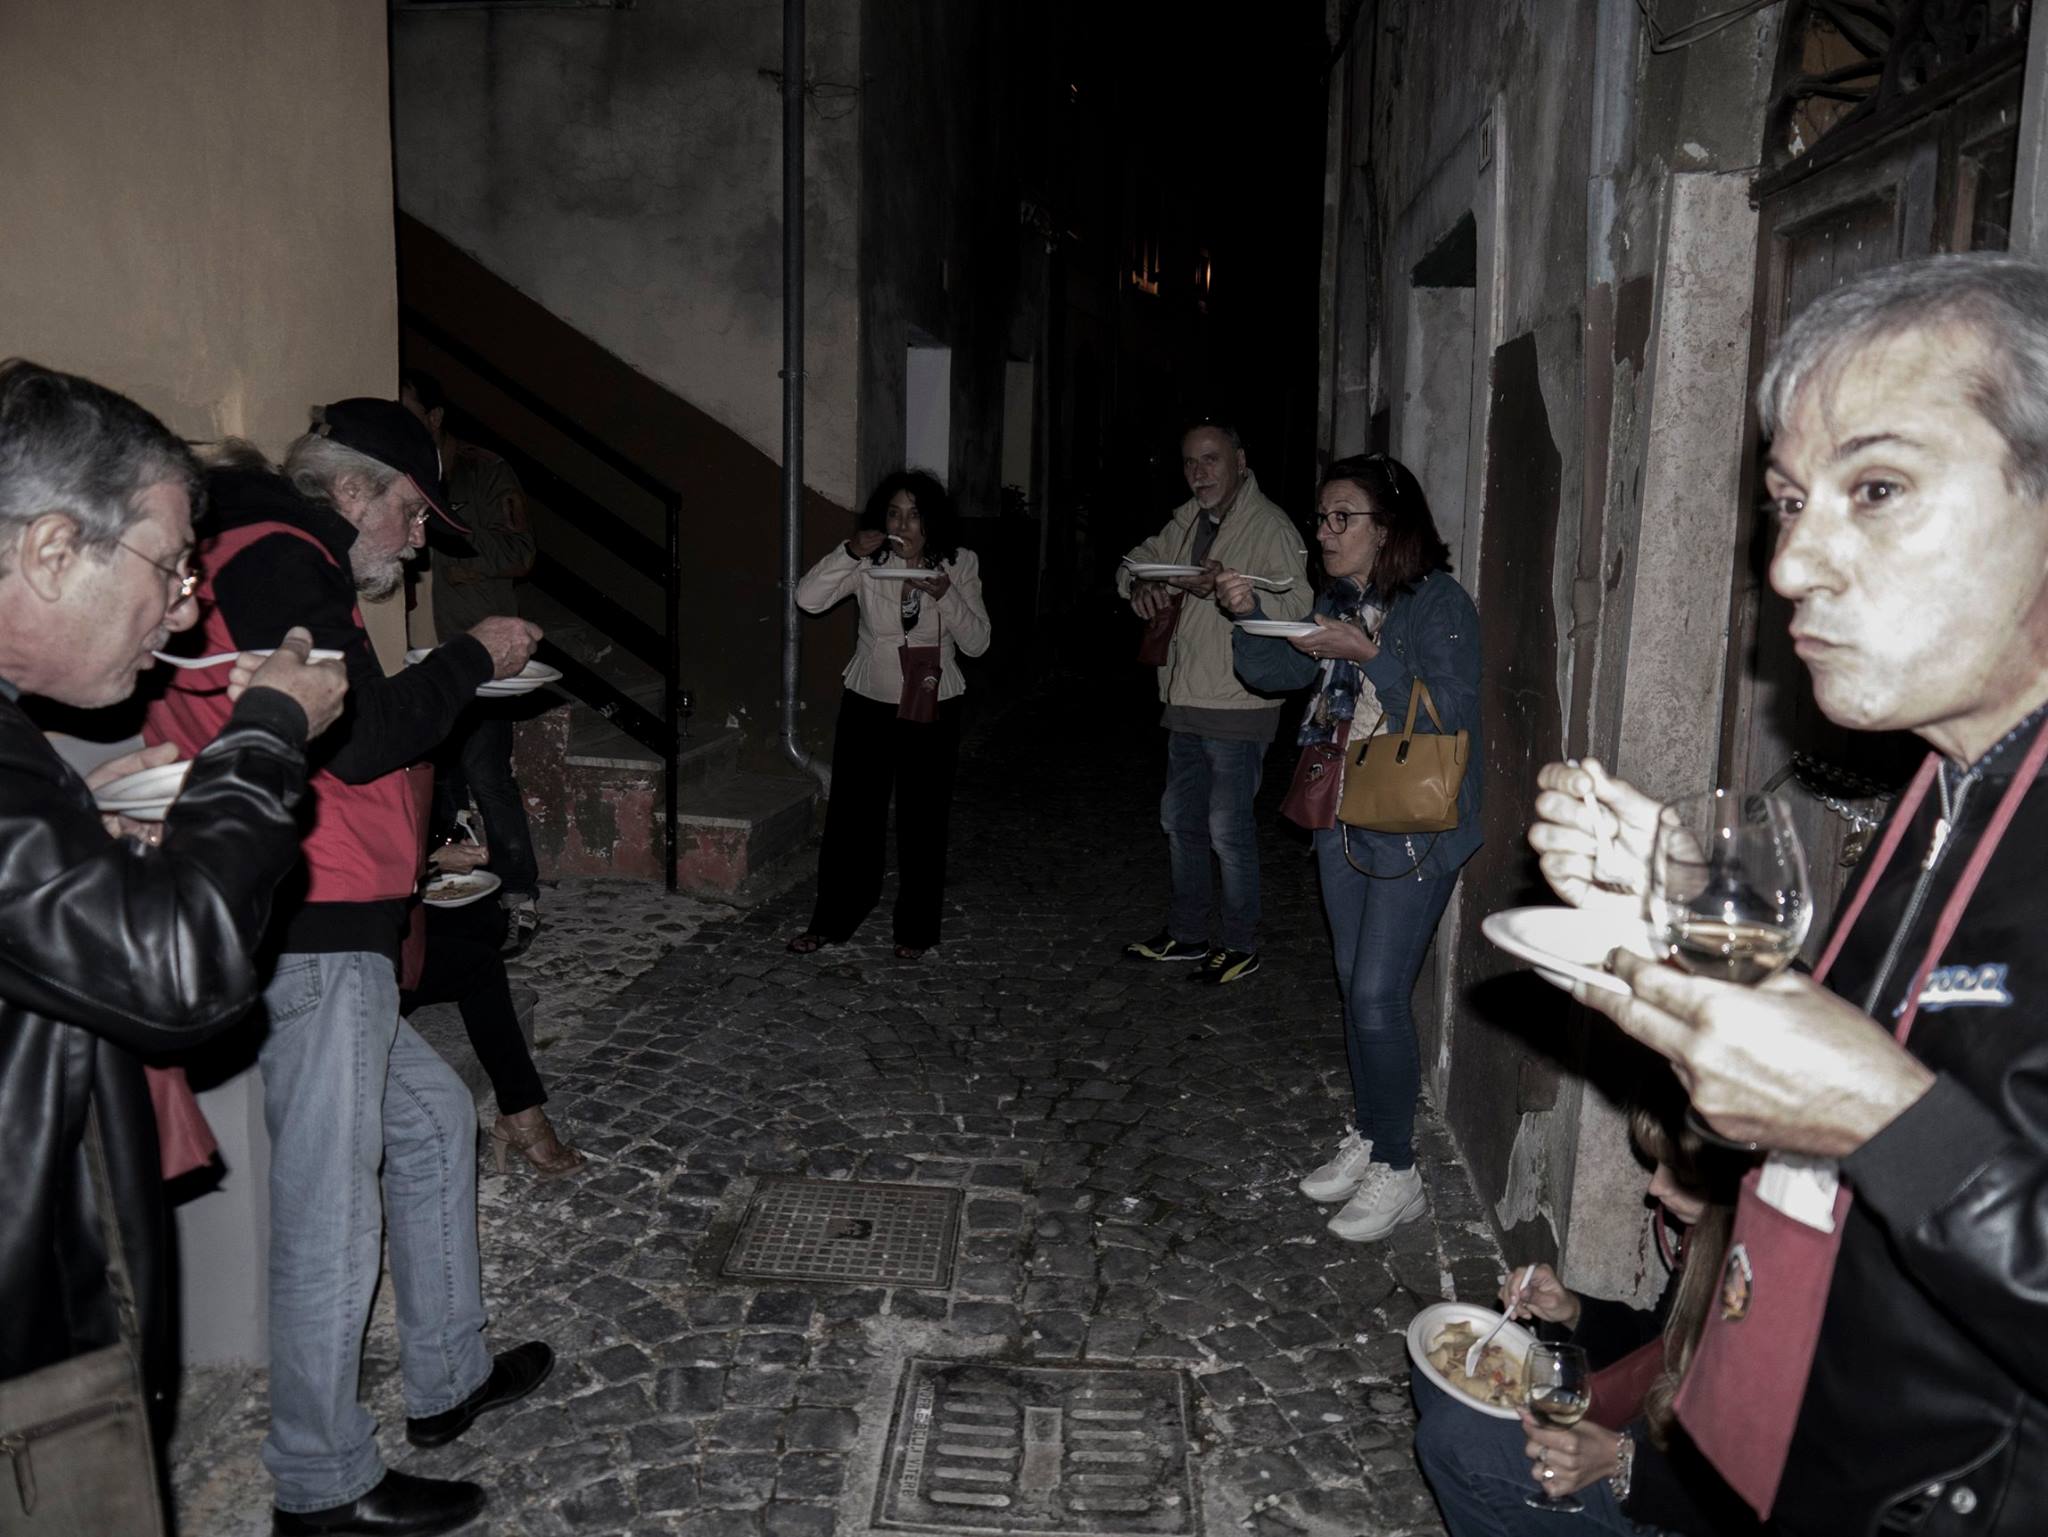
{"x":956,"y":623}
{"x":1256,"y":538}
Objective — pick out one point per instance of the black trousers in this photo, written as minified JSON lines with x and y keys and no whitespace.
{"x":874,"y":753}
{"x":463,"y":967}
{"x":476,"y":760}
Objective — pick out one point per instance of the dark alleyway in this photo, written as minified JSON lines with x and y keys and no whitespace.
{"x":1127,"y":1145}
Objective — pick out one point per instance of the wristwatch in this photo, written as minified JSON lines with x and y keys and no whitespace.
{"x":1624,"y":1467}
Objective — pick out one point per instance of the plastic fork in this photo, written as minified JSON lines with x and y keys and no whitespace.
{"x":221,"y":659}
{"x":1514,"y":1301}
{"x":1268,"y":583}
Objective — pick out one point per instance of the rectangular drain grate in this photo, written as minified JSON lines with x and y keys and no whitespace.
{"x":835,"y":1230}
{"x":1054,"y":1451}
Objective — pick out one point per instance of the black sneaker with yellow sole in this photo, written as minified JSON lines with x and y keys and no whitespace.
{"x":1221,"y":966}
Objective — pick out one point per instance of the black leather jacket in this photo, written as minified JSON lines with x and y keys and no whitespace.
{"x":1927,"y":1410}
{"x":111,"y":952}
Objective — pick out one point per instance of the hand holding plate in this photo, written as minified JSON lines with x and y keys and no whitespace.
{"x":510,"y":642}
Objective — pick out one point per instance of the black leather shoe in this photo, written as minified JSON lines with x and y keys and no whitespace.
{"x":400,"y":1506}
{"x":514,"y":1374}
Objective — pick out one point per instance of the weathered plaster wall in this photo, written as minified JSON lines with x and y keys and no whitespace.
{"x":624,"y":168}
{"x":206,"y":228}
{"x":1600,"y":438}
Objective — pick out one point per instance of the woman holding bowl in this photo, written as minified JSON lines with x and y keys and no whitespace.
{"x":899,"y":718}
{"x":1389,"y":613}
{"x":1631,"y":1469}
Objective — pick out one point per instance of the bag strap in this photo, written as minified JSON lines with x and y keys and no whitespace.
{"x":1418,"y":693}
{"x":1361,"y":869}
{"x":1980,"y":856}
{"x":120,"y":1282}
{"x":938,"y":622}
{"x":1908,"y":804}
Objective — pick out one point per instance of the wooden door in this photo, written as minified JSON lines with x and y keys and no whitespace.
{"x":1942,"y":183}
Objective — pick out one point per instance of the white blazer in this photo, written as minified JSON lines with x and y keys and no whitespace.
{"x":956,"y":623}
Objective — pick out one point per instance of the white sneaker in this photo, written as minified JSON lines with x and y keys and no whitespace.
{"x":1335,"y":1180}
{"x":1385,"y":1199}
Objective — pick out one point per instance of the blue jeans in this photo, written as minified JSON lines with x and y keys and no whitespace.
{"x":1380,"y":930}
{"x":1480,"y":1475}
{"x":1208,"y":808}
{"x":349,"y":1089}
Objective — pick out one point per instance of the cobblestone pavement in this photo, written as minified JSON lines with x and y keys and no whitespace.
{"x":1127,"y":1144}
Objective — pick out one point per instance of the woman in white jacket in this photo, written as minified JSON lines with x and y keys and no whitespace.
{"x":899,"y":718}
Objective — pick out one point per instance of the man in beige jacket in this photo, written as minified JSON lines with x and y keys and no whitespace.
{"x":1217,"y":730}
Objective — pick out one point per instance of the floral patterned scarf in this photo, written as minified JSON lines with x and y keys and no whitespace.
{"x":1345,"y":693}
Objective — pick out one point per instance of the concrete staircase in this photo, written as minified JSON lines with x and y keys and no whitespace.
{"x":595,"y":794}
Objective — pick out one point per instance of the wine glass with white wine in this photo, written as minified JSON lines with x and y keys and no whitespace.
{"x":1560,"y":1393}
{"x":1728,"y":895}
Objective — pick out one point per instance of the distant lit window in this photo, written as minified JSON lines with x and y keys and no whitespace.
{"x":1145,"y":264}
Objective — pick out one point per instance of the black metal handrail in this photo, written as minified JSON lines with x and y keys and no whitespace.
{"x":658,"y":648}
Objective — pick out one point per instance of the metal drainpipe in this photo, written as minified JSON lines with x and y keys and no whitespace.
{"x":793,"y":377}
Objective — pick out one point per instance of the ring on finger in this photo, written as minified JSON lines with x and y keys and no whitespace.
{"x":1548,"y":1473}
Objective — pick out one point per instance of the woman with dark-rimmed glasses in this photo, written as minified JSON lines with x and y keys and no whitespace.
{"x":1389,"y":613}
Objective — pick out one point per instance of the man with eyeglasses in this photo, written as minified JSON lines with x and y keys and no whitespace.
{"x":351,"y":1092}
{"x":114,"y":947}
{"x":1217,"y":730}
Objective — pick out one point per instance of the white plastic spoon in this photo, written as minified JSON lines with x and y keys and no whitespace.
{"x":198,"y":663}
{"x":1514,"y":1301}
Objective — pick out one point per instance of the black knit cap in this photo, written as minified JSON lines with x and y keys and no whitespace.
{"x":387,"y":432}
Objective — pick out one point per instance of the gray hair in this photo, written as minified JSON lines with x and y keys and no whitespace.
{"x":2003,"y":299}
{"x":71,"y":446}
{"x":315,"y":464}
{"x":1211,"y":424}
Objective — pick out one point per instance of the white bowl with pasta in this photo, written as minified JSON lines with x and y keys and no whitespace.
{"x":1438,"y":1338}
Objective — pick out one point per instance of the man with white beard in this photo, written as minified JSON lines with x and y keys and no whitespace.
{"x":350,"y":1091}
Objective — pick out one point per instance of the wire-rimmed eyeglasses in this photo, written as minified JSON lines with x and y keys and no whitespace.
{"x":187,"y":581}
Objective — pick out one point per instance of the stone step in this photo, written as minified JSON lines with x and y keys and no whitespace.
{"x":604,"y":656}
{"x":738,"y":826}
{"x":595,"y":739}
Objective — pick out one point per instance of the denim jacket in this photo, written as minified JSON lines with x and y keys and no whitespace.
{"x":1432,"y":631}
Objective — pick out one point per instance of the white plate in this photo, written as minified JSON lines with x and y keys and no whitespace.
{"x":1568,"y":944}
{"x":532,"y":676}
{"x":904,"y":573}
{"x":460,"y":890}
{"x":145,"y":795}
{"x":1287,"y":629}
{"x":1426,"y":1325}
{"x":1151,"y":571}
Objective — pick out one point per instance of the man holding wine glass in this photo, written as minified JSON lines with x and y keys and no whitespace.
{"x":1897,"y":1238}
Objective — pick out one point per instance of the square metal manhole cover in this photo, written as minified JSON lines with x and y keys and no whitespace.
{"x":835,"y":1230}
{"x":1050,"y":1450}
